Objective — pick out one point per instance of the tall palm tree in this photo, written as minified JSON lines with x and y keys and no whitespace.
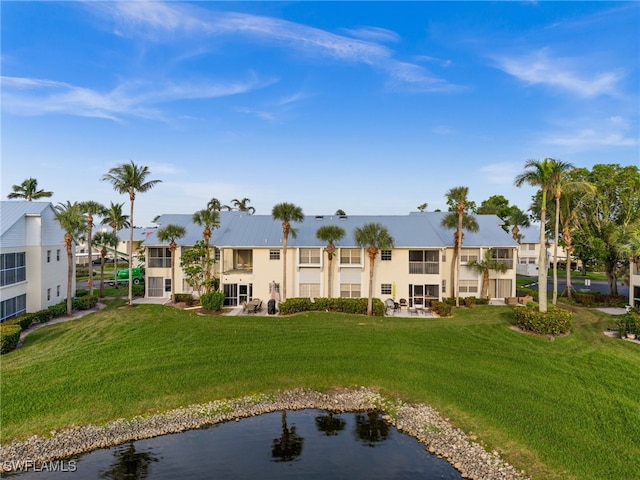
{"x":28,"y":190}
{"x":374,"y":237}
{"x":214,"y":204}
{"x":484,"y":267}
{"x":286,"y":213}
{"x":91,"y":208}
{"x":517,"y":218}
{"x":130,"y":178}
{"x":170,"y":234}
{"x":540,"y":174}
{"x":209,"y":219}
{"x":560,"y":169}
{"x":330,"y":234}
{"x":242,"y":205}
{"x":114,"y":217}
{"x":458,"y":218}
{"x":104,"y":240}
{"x":72,"y":221}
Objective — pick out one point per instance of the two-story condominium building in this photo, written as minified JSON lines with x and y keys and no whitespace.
{"x":33,"y":259}
{"x":418,"y":268}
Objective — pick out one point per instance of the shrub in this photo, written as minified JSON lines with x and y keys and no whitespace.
{"x":554,"y":321}
{"x":58,"y":310}
{"x":185,"y":298}
{"x":343,"y":305}
{"x":9,"y":337}
{"x":212,"y":301}
{"x":81,"y":292}
{"x":442,"y":309}
{"x":470,"y":301}
{"x":138,"y":290}
{"x":628,"y":323}
{"x":85,"y":303}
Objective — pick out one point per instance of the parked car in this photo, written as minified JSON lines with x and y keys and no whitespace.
{"x":98,"y":261}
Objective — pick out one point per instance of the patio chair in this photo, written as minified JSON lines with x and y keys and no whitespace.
{"x":403,"y":303}
{"x":390,"y":306}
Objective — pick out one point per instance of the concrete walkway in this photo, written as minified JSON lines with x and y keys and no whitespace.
{"x":612,"y":310}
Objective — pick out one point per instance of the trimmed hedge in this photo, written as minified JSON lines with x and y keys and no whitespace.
{"x":186,"y":298}
{"x":554,"y":321}
{"x":600,"y":299}
{"x":442,"y":309}
{"x":212,"y":301}
{"x":84,"y":303}
{"x":343,"y":305}
{"x":9,"y":337}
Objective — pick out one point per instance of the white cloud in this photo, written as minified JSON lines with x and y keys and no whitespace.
{"x":502,"y":173}
{"x":539,"y":68}
{"x":375,"y":34}
{"x":589,"y":138}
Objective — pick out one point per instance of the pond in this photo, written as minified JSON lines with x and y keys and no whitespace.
{"x":309,"y":444}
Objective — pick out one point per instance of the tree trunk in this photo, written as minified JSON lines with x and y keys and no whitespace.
{"x":555,"y":250}
{"x":132,"y":197}
{"x":285,"y":241}
{"x":90,"y":254}
{"x":68,"y":244}
{"x":372,"y":259}
{"x":172,"y":247}
{"x":566,"y":236}
{"x":330,"y":251}
{"x":542,"y":261}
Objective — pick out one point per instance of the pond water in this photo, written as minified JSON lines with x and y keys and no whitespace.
{"x":309,"y":444}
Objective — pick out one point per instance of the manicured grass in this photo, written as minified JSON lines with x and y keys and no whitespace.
{"x":568,"y":408}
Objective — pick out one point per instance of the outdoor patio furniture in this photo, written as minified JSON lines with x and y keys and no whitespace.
{"x":390,"y":306}
{"x":254,"y":306}
{"x":403,"y":302}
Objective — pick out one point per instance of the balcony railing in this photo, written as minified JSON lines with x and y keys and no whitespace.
{"x":422,"y":268}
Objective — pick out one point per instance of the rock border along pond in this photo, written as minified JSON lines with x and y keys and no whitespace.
{"x":420,"y":421}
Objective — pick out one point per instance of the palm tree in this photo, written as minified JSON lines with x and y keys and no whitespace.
{"x":544,"y":174}
{"x":485,"y":266}
{"x":242,"y":205}
{"x":209,"y":219}
{"x":214,"y":204}
{"x":286,"y":213}
{"x":458,"y":218}
{"x":114,"y":217}
{"x":72,"y":221}
{"x":517,"y":218}
{"x":130,"y":178}
{"x":28,"y":190}
{"x":170,"y":234}
{"x":104,"y":240}
{"x":91,"y":208}
{"x":330,"y":234}
{"x":374,"y":237}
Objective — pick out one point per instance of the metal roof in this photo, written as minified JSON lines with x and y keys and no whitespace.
{"x":13,"y":211}
{"x":415,"y":230}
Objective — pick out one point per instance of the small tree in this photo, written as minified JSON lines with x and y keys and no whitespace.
{"x":209,"y":218}
{"x":91,"y":208}
{"x":104,"y":240}
{"x":194,"y":264}
{"x":286,"y":213}
{"x":486,"y":265}
{"x":72,"y":221}
{"x":330,"y":234}
{"x":374,"y":237}
{"x":170,"y":234}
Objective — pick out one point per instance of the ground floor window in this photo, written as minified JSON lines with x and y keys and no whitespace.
{"x":423,"y":294}
{"x":311,"y":290}
{"x":499,"y":288}
{"x":156,"y":285}
{"x":386,"y":289}
{"x":12,"y":307}
{"x":237,"y":293}
{"x":350,"y":290}
{"x":468,"y":286}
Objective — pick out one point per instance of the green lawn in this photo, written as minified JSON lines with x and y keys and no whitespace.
{"x":563,"y":409}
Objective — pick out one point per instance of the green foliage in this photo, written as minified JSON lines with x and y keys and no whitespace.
{"x":58,"y":310}
{"x":85,"y":303}
{"x":185,"y":298}
{"x":554,"y":321}
{"x":598,"y":299}
{"x":442,"y":309}
{"x":138,"y":290}
{"x":212,"y":301}
{"x":628,"y":323}
{"x":9,"y":337}
{"x":82,"y":292}
{"x":343,"y":305}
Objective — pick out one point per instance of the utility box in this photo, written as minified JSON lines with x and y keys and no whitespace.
{"x":271,"y":307}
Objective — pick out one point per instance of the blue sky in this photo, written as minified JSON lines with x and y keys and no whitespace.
{"x":369,"y":107}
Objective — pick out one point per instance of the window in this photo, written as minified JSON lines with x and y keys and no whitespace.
{"x":422,"y":294}
{"x":309,"y":256}
{"x":468,"y":286}
{"x":243,"y":259}
{"x":12,"y":307}
{"x":58,"y":291}
{"x":311,"y":290}
{"x":159,"y":257}
{"x":167,"y":285}
{"x":444,"y":286}
{"x":385,"y":289}
{"x":48,"y":256}
{"x":385,"y":255}
{"x":424,"y":261}
{"x":57,"y":255}
{"x":469,"y":255}
{"x":503,"y":255}
{"x":274,"y":254}
{"x":350,"y":290}
{"x":350,"y":256}
{"x":216,"y":254}
{"x":48,"y":294}
{"x":13,"y":268}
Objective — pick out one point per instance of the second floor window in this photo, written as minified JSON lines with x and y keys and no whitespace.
{"x":159,"y":257}
{"x":424,"y":261}
{"x":309,"y":256}
{"x":13,"y":268}
{"x":350,"y":256}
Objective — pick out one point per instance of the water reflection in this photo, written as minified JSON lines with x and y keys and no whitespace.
{"x":371,"y":428}
{"x":129,"y":464}
{"x":310,"y":444}
{"x":289,"y":445}
{"x":330,"y":424}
